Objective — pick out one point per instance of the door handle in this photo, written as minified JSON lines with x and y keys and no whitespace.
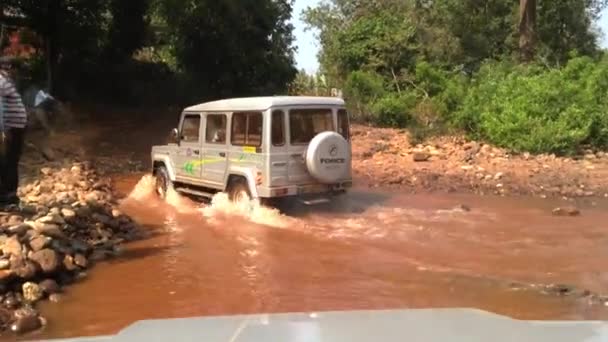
{"x":222,"y":154}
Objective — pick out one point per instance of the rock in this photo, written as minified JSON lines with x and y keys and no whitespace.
{"x":26,"y":324}
{"x":40,"y":242}
{"x":68,"y":213}
{"x":83,"y":212}
{"x":11,"y":302}
{"x":48,"y":229}
{"x":22,"y":267}
{"x":462,"y":207}
{"x":80,"y":246}
{"x":499,"y":186}
{"x":92,"y":197}
{"x":6,"y":274}
{"x":14,"y":220}
{"x":566,"y":211}
{"x":28,"y":210}
{"x":76,"y":169}
{"x":19,"y":229}
{"x":47,"y":259}
{"x":55,"y":297}
{"x":46,"y":171}
{"x":80,"y":260}
{"x":68,"y":263}
{"x":421,"y":156}
{"x":49,"y":286}
{"x":53,"y":218}
{"x":32,"y":292}
{"x":12,"y":246}
{"x":101,"y":218}
{"x":116,"y":213}
{"x":4,"y":264}
{"x":498,"y":176}
{"x":61,"y":246}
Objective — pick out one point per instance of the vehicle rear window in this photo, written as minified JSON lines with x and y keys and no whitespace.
{"x":216,"y":129}
{"x":247,"y":129}
{"x":278,"y":128}
{"x":343,"y":127}
{"x":191,"y":128}
{"x":305,"y":124}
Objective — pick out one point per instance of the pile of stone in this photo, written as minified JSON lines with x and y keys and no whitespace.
{"x":68,"y":222}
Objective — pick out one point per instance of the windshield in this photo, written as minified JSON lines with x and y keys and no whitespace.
{"x":305,"y":124}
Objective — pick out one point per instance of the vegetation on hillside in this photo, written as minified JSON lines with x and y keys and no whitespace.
{"x":440,"y":65}
{"x":525,"y":75}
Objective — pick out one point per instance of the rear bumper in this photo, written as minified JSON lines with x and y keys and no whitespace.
{"x":304,"y":189}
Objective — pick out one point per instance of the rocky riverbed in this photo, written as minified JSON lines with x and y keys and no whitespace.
{"x":67,"y":223}
{"x":386,"y":158}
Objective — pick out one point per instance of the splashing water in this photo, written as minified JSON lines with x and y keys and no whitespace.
{"x":220,"y":207}
{"x":144,"y":189}
{"x":252,"y":210}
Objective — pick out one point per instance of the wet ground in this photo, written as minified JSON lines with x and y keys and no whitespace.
{"x":368,"y":250}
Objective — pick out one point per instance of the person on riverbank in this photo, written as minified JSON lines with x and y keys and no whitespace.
{"x":13,"y":119}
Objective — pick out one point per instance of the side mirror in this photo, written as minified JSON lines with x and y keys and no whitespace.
{"x":174,"y":136}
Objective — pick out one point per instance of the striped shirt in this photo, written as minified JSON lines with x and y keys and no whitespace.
{"x":13,"y":109}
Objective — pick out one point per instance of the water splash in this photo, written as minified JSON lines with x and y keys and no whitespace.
{"x":221,"y":206}
{"x":144,"y":189}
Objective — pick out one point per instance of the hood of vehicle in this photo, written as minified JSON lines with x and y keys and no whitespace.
{"x":361,"y":326}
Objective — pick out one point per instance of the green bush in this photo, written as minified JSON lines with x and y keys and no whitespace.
{"x":361,"y":90}
{"x":395,"y":110}
{"x":538,"y":110}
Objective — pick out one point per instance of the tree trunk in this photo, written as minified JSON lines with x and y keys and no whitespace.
{"x":527,"y":27}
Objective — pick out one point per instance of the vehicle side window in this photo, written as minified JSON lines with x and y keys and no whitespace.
{"x":247,"y":129}
{"x":278,"y":128}
{"x":191,"y":128}
{"x":343,"y":127}
{"x":216,"y":129}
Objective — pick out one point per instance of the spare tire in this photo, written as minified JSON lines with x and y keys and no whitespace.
{"x":328,"y":157}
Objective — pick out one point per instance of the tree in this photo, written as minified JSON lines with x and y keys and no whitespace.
{"x":232,"y":47}
{"x":527,"y":23}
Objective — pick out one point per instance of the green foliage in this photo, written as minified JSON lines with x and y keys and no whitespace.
{"x":394,"y":110}
{"x":232,"y":48}
{"x":212,"y":48}
{"x":530,"y":109}
{"x":361,"y":90}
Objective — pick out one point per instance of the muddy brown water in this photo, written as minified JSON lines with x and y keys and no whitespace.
{"x":368,"y":250}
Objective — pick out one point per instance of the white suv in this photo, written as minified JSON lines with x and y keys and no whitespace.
{"x":259,"y":148}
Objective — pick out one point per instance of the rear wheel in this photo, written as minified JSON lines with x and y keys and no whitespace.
{"x":163,"y":182}
{"x":239,"y":191}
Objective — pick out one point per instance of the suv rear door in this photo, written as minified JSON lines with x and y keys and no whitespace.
{"x":305,"y":124}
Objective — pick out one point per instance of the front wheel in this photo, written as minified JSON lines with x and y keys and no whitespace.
{"x":239,"y":191}
{"x":163,"y":182}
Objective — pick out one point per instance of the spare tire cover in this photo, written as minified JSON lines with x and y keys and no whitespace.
{"x":328,"y":157}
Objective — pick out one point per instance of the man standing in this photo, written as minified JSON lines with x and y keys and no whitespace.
{"x":13,"y":120}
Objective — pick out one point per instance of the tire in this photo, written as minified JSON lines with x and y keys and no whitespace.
{"x":163,"y":182}
{"x":239,"y":190}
